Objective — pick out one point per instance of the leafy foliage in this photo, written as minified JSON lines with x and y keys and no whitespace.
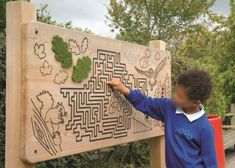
{"x":82,"y":69}
{"x":62,"y":53}
{"x":3,"y":14}
{"x":226,"y":61}
{"x":143,"y":20}
{"x":80,"y":160}
{"x":43,"y":15}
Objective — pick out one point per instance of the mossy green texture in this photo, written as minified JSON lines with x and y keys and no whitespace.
{"x":62,"y":53}
{"x":82,"y":69}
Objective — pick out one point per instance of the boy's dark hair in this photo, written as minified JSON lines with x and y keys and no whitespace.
{"x":198,"y":83}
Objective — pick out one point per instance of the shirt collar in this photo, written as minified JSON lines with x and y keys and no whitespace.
{"x":194,"y":116}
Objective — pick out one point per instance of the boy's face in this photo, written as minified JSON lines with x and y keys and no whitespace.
{"x":181,"y":98}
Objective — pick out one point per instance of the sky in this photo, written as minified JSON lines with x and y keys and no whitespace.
{"x":91,"y":13}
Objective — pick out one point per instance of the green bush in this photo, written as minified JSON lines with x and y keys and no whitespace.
{"x":2,"y":96}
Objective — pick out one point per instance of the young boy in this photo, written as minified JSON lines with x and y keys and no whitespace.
{"x":189,"y":135}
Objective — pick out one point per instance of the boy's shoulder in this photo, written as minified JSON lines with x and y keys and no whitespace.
{"x":204,"y":119}
{"x":204,"y":124}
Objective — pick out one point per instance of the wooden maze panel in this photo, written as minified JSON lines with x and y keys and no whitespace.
{"x":63,"y":117}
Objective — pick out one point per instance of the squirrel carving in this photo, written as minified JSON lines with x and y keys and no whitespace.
{"x":52,"y":113}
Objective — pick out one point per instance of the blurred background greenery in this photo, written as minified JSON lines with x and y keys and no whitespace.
{"x":195,"y":36}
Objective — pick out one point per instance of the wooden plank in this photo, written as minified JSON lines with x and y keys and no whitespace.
{"x":232,"y":108}
{"x":229,"y":138}
{"x":157,"y":156}
{"x":97,"y":116}
{"x":229,"y":126}
{"x":18,"y":13}
{"x":157,"y":144}
{"x":229,"y":114}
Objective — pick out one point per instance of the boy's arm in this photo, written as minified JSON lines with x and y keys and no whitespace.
{"x":208,"y":152}
{"x":154,"y":107}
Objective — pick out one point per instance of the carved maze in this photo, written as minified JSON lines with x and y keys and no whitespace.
{"x":97,"y":111}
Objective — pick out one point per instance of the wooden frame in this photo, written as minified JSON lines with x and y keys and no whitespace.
{"x":18,"y":13}
{"x":24,"y":45}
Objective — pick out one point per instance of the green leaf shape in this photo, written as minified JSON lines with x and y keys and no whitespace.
{"x":82,"y":69}
{"x":62,"y":53}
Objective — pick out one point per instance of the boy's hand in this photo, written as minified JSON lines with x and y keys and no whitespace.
{"x":117,"y":84}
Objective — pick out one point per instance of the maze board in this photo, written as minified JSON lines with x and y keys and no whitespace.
{"x":63,"y":117}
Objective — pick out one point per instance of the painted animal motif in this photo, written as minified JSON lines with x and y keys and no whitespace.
{"x":53,"y":114}
{"x":152,"y":74}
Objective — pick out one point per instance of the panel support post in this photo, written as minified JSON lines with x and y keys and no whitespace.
{"x":17,"y":14}
{"x":157,"y":144}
